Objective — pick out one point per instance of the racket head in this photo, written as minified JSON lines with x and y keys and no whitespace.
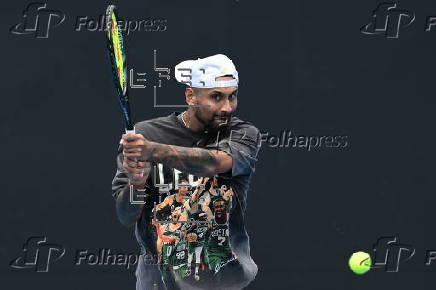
{"x":118,"y":59}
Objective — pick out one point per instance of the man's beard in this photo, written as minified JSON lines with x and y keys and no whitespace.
{"x":209,"y":124}
{"x":220,"y":218}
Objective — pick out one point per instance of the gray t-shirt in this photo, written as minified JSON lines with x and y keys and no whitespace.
{"x":220,"y":259}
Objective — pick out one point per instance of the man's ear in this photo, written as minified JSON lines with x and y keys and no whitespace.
{"x":190,"y":96}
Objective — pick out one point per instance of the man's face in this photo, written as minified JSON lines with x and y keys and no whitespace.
{"x":220,"y":102}
{"x":219,"y":207}
{"x":175,"y":215}
{"x":182,"y":190}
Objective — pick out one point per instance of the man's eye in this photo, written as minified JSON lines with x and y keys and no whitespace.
{"x":233,"y":96}
{"x":216,"y":97}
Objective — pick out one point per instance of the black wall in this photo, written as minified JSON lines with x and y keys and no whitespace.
{"x":304,"y":66}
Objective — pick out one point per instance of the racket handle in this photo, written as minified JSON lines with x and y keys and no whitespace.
{"x":133,"y":132}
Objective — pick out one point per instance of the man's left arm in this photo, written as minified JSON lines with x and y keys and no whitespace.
{"x":231,"y":154}
{"x":196,"y":161}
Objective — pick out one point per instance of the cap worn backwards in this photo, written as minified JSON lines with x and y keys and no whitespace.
{"x":202,"y":73}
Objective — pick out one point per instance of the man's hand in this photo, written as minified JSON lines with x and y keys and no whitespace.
{"x":191,"y":237}
{"x":228,"y":194}
{"x":137,"y":171}
{"x":136,"y":147}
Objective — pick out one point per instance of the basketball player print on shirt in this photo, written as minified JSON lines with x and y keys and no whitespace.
{"x":191,"y":222}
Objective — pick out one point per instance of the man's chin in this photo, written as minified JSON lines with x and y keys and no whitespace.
{"x":217,"y":123}
{"x":213,"y":127}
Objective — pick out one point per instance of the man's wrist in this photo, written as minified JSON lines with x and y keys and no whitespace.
{"x":153,"y":151}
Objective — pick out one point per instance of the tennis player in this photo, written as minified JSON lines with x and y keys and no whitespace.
{"x":206,"y":140}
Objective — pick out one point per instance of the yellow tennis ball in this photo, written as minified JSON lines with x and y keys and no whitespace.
{"x":360,"y":262}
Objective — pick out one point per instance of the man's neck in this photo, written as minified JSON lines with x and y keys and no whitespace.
{"x":192,"y":122}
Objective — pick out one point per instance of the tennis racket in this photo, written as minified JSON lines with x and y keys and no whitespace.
{"x":118,"y":60}
{"x":117,"y":56}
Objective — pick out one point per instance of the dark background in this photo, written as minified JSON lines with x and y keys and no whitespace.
{"x":304,"y":66}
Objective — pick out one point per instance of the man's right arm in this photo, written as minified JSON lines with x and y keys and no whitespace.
{"x":127,"y":212}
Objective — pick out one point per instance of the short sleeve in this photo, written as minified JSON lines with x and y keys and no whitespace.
{"x":243,"y":144}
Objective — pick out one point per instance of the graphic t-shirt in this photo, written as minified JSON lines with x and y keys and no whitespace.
{"x":193,"y":226}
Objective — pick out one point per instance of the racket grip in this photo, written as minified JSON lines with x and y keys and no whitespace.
{"x":133,"y":132}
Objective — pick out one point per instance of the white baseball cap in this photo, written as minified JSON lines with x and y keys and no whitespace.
{"x":202,"y":73}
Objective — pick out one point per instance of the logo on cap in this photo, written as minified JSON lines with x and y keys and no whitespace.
{"x":225,"y":70}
